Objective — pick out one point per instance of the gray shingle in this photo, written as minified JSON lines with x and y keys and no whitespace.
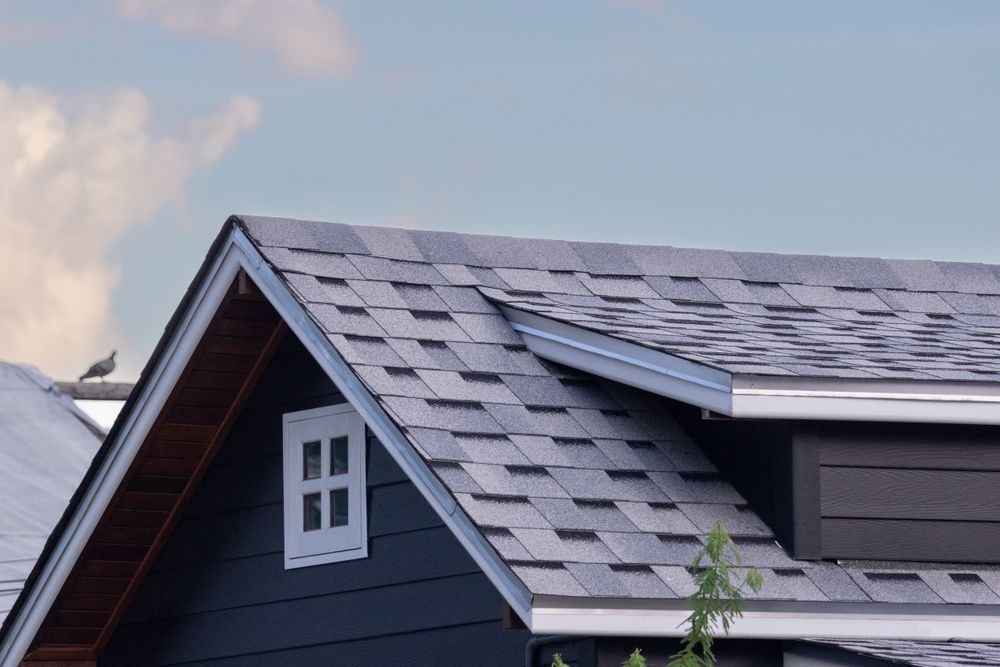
{"x":372,"y":351}
{"x":388,"y":242}
{"x":605,"y":258}
{"x":658,"y":517}
{"x":650,"y":549}
{"x":520,"y":420}
{"x":617,"y":285}
{"x":317,"y":264}
{"x":687,"y":289}
{"x":443,"y":415}
{"x":696,"y":488}
{"x":607,"y":485}
{"x":494,"y":358}
{"x":738,"y":520}
{"x":393,"y":381}
{"x":464,"y":299}
{"x":627,"y":581}
{"x":325,"y":290}
{"x":508,"y":512}
{"x":484,"y":328}
{"x":635,"y":454}
{"x":835,"y":583}
{"x":506,"y":544}
{"x":482,"y":448}
{"x":531,"y":280}
{"x":690,"y":262}
{"x":377,"y":293}
{"x":418,"y":324}
{"x":564,"y":513}
{"x":346,"y":320}
{"x":455,"y":477}
{"x":438,"y":444}
{"x":305,"y":234}
{"x":548,"y":579}
{"x":532,"y":481}
{"x":893,"y":586}
{"x":480,"y":387}
{"x":426,"y":354}
{"x":394,"y":270}
{"x":564,"y":546}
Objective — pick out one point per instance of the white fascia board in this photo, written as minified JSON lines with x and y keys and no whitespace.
{"x":866,"y":400}
{"x":237,"y":252}
{"x":624,"y":362}
{"x":432,"y":489}
{"x":108,"y":477}
{"x":751,"y":396}
{"x":758,"y":624}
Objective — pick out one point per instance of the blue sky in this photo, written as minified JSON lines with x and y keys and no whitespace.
{"x":837,"y":128}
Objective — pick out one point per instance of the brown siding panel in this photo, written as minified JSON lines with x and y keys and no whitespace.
{"x":893,"y":493}
{"x":888,"y":539}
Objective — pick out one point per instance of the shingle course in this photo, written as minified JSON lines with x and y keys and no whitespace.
{"x":589,"y":470}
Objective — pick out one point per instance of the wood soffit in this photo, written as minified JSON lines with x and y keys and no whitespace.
{"x":197,"y":417}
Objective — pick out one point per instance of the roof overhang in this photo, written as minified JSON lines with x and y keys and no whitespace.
{"x":770,"y":620}
{"x":232,"y":252}
{"x":756,"y":396}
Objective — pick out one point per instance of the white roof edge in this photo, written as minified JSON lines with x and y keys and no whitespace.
{"x":431,"y":488}
{"x":825,"y":620}
{"x":753,"y":396}
{"x":236,"y":252}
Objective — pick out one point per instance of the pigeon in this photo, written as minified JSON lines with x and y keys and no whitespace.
{"x":101,"y":368}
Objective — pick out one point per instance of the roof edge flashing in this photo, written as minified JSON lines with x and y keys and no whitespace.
{"x":826,"y":621}
{"x":624,"y":362}
{"x":755,"y":396}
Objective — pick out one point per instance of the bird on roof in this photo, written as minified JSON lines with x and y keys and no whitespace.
{"x":101,"y":368}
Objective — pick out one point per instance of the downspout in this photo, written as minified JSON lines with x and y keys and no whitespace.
{"x":535,"y":643}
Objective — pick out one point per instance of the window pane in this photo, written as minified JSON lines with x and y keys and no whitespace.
{"x":312,"y":512}
{"x":338,"y":507}
{"x":311,"y":466}
{"x":338,"y":455}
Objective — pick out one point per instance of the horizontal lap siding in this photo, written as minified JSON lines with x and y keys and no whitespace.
{"x":219,"y":591}
{"x":931,"y":494}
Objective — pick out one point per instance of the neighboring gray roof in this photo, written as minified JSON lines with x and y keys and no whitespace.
{"x":46,"y":444}
{"x":585,"y":487}
{"x":920,"y":654}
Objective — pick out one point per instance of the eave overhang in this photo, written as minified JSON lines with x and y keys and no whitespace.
{"x":770,"y":619}
{"x":756,"y":396}
{"x":233,"y":252}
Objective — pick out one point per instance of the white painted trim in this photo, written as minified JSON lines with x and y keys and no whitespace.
{"x":768,"y":624}
{"x":431,"y":488}
{"x":235,"y":252}
{"x":752,"y":396}
{"x":108,"y":477}
{"x":622,"y":361}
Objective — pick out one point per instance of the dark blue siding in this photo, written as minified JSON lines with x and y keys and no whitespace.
{"x":219,"y":591}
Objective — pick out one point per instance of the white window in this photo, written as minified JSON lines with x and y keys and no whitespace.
{"x":324,"y":463}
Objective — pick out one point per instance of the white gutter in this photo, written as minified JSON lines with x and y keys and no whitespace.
{"x":763,"y":624}
{"x":753,"y":396}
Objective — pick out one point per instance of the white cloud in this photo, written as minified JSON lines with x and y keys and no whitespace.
{"x":75,"y":175}
{"x":307,"y":38}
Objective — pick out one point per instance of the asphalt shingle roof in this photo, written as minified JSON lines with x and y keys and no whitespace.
{"x":918,"y":653}
{"x":590,"y":488}
{"x":46,"y":444}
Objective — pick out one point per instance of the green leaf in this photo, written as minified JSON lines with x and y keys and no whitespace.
{"x":635,"y":660}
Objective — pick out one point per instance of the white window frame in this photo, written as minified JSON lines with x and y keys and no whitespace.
{"x":328,"y":544}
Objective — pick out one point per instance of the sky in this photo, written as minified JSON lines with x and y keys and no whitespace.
{"x":130,"y":130}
